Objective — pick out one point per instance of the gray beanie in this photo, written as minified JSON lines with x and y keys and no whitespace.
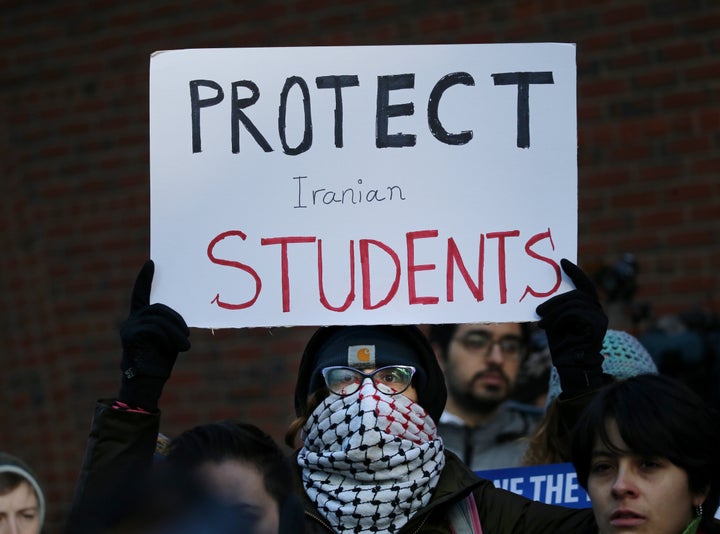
{"x":13,"y":464}
{"x":624,"y":356}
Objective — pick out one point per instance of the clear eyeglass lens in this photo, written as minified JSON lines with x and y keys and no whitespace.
{"x":391,"y":380}
{"x":396,"y":379}
{"x":342,"y":381}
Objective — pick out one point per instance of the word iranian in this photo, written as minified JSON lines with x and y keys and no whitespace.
{"x":349,"y":195}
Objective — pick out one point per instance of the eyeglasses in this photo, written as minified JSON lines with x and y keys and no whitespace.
{"x":479,"y":341}
{"x":391,"y":380}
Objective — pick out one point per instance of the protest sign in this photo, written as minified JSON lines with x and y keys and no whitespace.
{"x":551,"y":484}
{"x":362,"y":185}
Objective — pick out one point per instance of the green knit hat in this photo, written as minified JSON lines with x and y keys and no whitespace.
{"x":624,"y":356}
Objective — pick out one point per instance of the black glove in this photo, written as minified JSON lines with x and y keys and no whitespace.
{"x":575,"y":325}
{"x":152,"y":336}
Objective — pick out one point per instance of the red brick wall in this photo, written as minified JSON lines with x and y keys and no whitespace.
{"x":74,"y":224}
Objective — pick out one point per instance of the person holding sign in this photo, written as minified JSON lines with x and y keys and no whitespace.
{"x":646,"y":451}
{"x":237,"y":467}
{"x":368,"y":399}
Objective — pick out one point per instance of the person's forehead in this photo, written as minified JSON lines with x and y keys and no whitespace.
{"x":494,"y":329}
{"x":22,"y":495}
{"x":615,"y":438}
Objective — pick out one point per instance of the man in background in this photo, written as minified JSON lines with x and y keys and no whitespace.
{"x":481,"y":363}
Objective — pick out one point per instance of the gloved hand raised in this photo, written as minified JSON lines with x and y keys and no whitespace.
{"x":152,"y":336}
{"x":575,"y":324}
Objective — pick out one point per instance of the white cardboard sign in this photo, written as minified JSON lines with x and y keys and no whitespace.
{"x":362,"y":185}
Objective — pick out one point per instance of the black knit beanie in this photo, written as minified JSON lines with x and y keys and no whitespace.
{"x":372,"y":346}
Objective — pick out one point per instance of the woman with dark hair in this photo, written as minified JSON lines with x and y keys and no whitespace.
{"x":367,"y":399}
{"x":646,"y":451}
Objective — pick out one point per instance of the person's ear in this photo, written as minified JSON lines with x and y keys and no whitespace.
{"x":700,"y":496}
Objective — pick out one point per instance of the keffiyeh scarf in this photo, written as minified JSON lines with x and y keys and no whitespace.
{"x":370,"y":460}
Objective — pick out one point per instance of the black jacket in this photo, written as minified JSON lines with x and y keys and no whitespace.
{"x":120,"y":454}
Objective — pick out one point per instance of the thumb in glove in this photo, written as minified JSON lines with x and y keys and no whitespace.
{"x":152,"y":336}
{"x":575,"y":324}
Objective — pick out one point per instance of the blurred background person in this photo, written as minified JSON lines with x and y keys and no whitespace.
{"x":481,"y":363}
{"x":223,"y":477}
{"x":22,"y":503}
{"x":531,"y":387}
{"x":243,"y":466}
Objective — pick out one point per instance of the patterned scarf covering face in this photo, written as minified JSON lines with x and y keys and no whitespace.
{"x":370,"y":460}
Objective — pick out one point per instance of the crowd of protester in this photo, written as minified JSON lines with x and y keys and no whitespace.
{"x":393,"y":421}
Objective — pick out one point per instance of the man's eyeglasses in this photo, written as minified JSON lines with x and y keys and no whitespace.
{"x":482,"y":342}
{"x":390,"y":380}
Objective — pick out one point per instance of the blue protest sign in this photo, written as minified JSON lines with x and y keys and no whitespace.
{"x":551,"y":484}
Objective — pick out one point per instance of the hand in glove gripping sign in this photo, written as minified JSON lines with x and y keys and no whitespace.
{"x":575,"y":324}
{"x":152,"y":336}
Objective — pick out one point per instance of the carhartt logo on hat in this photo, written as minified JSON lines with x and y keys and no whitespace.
{"x":361,"y":356}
